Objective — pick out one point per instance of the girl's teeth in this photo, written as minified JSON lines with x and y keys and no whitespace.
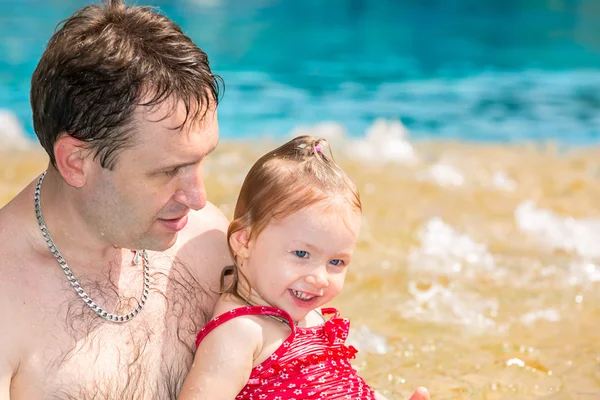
{"x":301,"y":295}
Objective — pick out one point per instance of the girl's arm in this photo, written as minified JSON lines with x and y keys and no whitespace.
{"x":223,"y":361}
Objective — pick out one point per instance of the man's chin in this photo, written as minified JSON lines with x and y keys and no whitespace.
{"x":160,"y":244}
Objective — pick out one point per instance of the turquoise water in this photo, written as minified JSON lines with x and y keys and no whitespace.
{"x":499,"y":70}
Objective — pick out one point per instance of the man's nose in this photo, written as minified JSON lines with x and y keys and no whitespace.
{"x":192,"y":192}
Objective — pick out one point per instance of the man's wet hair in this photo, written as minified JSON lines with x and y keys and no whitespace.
{"x":106,"y":61}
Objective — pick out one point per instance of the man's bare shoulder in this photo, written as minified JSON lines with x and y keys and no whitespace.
{"x":17,"y":228}
{"x":206,"y":230}
{"x":13,"y":286}
{"x":207,"y":219}
{"x":11,"y":305}
{"x":202,"y":245}
{"x":19,"y":277}
{"x":15,"y":213}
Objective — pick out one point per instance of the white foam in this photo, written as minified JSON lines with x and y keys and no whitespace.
{"x":578,"y":236}
{"x":442,"y":174}
{"x":445,"y":251}
{"x":549,"y":314}
{"x":515,"y":361}
{"x":439,"y":304}
{"x":334,"y":132}
{"x":503,"y":182}
{"x":384,"y":142}
{"x":12,"y":134}
{"x":583,"y":271}
{"x":364,"y":339}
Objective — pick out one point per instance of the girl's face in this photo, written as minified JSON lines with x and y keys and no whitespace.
{"x":299,"y":263}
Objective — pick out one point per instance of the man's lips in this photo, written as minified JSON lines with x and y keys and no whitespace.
{"x":174,"y":224}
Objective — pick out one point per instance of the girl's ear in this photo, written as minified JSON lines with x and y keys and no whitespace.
{"x":239,"y":243}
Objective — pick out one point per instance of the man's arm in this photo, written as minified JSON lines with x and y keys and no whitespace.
{"x":8,"y":366}
{"x":203,"y":242}
{"x":8,"y":352}
{"x":5,"y":378}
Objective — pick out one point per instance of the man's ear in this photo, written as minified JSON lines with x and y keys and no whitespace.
{"x":71,"y":158}
{"x":239,"y":241}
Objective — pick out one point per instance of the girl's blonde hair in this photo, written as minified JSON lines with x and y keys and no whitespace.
{"x":298,"y":174}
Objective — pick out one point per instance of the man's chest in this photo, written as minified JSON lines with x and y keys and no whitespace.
{"x":77,"y":355}
{"x":148,"y":364}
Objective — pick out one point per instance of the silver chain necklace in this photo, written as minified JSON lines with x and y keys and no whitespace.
{"x":74,"y":283}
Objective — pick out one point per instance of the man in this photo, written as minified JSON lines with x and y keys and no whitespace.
{"x":111,"y":259}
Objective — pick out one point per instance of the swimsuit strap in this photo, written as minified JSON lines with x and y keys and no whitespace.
{"x":240,"y":311}
{"x":329,"y":311}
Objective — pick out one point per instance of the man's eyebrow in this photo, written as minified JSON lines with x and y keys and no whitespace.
{"x":178,"y":165}
{"x":186,"y":164}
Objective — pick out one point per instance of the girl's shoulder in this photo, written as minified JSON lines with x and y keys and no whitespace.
{"x":228,"y":307}
{"x":225,"y":303}
{"x":227,"y":320}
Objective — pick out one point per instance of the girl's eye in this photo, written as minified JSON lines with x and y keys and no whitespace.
{"x":301,"y":253}
{"x":336,"y":262}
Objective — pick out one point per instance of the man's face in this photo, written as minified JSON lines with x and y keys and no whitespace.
{"x":144,"y":201}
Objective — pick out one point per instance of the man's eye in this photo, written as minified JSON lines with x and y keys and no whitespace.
{"x":171,"y":172}
{"x":301,"y":253}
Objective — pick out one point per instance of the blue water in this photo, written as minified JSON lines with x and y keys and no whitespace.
{"x":494,"y":70}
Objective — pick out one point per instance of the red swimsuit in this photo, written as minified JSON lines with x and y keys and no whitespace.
{"x":312,"y":363}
